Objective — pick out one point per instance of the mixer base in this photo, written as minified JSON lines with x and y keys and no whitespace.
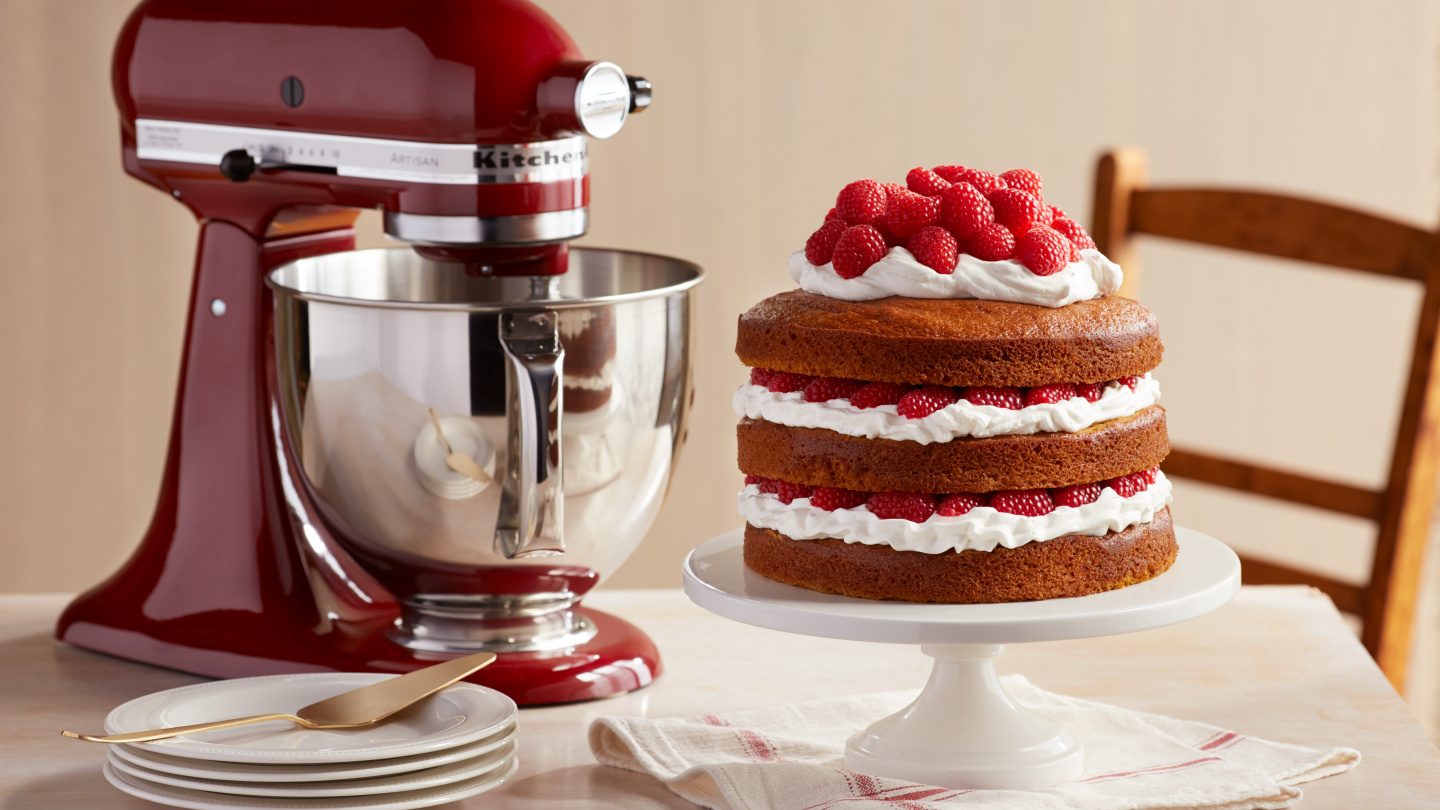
{"x":620,"y":658}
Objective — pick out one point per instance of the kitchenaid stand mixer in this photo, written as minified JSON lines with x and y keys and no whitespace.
{"x":306,"y":502}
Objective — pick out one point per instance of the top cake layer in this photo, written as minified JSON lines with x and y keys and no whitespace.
{"x":950,"y":342}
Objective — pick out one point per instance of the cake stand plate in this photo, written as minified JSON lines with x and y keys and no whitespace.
{"x":963,"y":731}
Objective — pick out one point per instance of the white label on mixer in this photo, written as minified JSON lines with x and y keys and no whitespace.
{"x":373,"y":158}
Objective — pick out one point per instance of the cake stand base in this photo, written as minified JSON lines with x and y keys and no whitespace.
{"x":963,"y":731}
{"x":1002,"y":745}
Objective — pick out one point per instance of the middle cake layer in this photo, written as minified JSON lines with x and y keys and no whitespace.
{"x":819,"y":457}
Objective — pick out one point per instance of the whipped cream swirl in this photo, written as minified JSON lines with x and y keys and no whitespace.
{"x":981,"y":529}
{"x":899,"y":273}
{"x":956,"y":421}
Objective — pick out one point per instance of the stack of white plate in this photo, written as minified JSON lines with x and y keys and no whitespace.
{"x":458,"y":743}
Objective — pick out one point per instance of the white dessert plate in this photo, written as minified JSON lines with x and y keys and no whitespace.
{"x":1206,"y":573}
{"x":461,"y":771}
{"x":459,"y":715}
{"x":407,"y":800}
{"x":247,"y":772}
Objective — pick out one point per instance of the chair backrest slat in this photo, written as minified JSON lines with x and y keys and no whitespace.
{"x":1287,"y":227}
{"x":1283,"y":485}
{"x":1347,"y":596}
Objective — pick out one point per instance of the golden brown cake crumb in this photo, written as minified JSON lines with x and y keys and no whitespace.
{"x":1074,"y":565}
{"x":950,"y":342}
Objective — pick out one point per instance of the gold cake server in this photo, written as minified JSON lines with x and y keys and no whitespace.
{"x":358,"y":707}
{"x":459,"y":462}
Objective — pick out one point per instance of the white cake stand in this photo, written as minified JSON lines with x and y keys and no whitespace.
{"x":963,"y":731}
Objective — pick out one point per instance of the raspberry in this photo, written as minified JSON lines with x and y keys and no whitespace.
{"x":824,"y":389}
{"x":876,"y":394}
{"x":1074,"y":253}
{"x":760,"y":376}
{"x":951,"y":173}
{"x":1091,"y":391}
{"x":821,"y":244}
{"x":964,"y":210}
{"x":935,"y":248}
{"x":993,"y":244}
{"x":1057,"y":214}
{"x":1130,"y":381}
{"x":1044,"y":216}
{"x":1124,"y":486}
{"x":1023,"y":179}
{"x":916,"y":507}
{"x":833,"y":214}
{"x":861,"y":203}
{"x":907,"y":213}
{"x":923,"y":181}
{"x":769,"y":485}
{"x":755,"y":480}
{"x":1146,"y":477}
{"x":985,"y":181}
{"x":1078,"y":495}
{"x":1044,"y":251}
{"x":1008,"y":398}
{"x":1047,"y":394}
{"x":1028,"y":502}
{"x":783,"y":382}
{"x":859,"y":247}
{"x":832,"y":498}
{"x":922,"y":402}
{"x":1015,"y":209}
{"x":788,"y":492}
{"x":891,"y":189}
{"x":958,"y":504}
{"x":1072,"y":230}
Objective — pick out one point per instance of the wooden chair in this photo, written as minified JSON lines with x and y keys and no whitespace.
{"x":1309,"y":231}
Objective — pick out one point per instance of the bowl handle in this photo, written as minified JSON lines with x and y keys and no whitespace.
{"x":531,"y":498}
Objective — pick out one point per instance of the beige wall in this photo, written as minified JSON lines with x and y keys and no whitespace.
{"x":762,"y":111}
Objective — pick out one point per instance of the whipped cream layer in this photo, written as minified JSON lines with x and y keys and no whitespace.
{"x":957,"y":421}
{"x":981,"y":529}
{"x":898,"y":273}
{"x":596,"y":382}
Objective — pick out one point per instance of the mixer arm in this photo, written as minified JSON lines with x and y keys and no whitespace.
{"x":531,"y":498}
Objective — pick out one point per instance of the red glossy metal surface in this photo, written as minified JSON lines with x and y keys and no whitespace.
{"x":457,"y":71}
{"x":439,"y":71}
{"x":239,"y":573}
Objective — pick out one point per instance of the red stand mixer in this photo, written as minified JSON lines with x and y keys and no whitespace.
{"x":406,"y":453}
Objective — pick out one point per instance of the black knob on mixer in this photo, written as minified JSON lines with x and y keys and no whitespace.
{"x":640,"y":92}
{"x":238,"y":165}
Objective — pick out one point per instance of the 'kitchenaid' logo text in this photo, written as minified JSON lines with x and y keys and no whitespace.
{"x":511,"y":159}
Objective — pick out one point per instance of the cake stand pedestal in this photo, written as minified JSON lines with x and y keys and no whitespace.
{"x":963,"y":731}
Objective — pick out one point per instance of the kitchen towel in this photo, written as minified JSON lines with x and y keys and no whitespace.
{"x":792,"y":758}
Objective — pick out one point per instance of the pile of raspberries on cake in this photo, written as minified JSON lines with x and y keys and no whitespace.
{"x":942,"y":212}
{"x":919,"y":401}
{"x":917,"y":507}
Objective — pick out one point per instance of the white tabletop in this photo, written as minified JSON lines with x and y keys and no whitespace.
{"x":1276,"y":662}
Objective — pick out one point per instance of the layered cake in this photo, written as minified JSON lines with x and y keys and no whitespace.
{"x":588,"y":337}
{"x":954,"y":406}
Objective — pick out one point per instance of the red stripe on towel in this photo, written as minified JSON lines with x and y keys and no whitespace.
{"x":1228,"y":737}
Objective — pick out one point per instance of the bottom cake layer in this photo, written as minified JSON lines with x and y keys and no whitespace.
{"x":1073,"y":565}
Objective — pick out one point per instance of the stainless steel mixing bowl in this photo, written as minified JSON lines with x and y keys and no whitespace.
{"x":385,"y":357}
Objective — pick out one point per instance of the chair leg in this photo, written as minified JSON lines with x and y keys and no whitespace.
{"x":1409,"y":501}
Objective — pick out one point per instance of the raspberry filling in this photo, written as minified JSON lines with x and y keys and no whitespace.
{"x":917,"y":402}
{"x":918,"y":507}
